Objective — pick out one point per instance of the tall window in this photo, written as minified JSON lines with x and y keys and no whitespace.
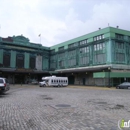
{"x":53,"y":65}
{"x":128,"y":38}
{"x":71,"y":53}
{"x":61,"y":63}
{"x":120,"y":45}
{"x":32,"y":62}
{"x":61,"y":48}
{"x":99,"y":37}
{"x":119,"y":36}
{"x":99,"y":46}
{"x":83,"y":42}
{"x":61,"y":55}
{"x":73,"y":45}
{"x":6,"y":60}
{"x":99,"y":55}
{"x":120,"y":57}
{"x":71,"y":62}
{"x":99,"y":58}
{"x":53,"y":62}
{"x":20,"y":61}
{"x":84,"y":60}
{"x":84,"y":50}
{"x":52,"y":51}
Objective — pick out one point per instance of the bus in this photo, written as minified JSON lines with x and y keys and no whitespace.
{"x":54,"y":81}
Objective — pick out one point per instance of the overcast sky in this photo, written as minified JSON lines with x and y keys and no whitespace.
{"x":60,"y":20}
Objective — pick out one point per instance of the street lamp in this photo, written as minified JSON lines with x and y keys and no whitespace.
{"x":109,"y":69}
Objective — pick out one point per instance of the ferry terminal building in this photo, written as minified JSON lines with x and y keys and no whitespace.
{"x":100,"y":58}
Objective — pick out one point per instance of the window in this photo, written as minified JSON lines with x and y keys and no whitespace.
{"x":84,"y":50}
{"x":119,"y":45}
{"x":99,"y":37}
{"x":20,"y":61}
{"x":120,"y":57}
{"x":71,"y":62}
{"x":95,"y":47}
{"x":61,"y":48}
{"x":71,"y":54}
{"x":128,"y":38}
{"x":99,"y":46}
{"x":52,"y":51}
{"x":53,"y":65}
{"x":53,"y":57}
{"x":119,"y":36}
{"x":73,"y":45}
{"x":6,"y":60}
{"x":83,"y":42}
{"x":84,"y":60}
{"x":61,"y":63}
{"x":61,"y":55}
{"x":99,"y":58}
{"x":32,"y":62}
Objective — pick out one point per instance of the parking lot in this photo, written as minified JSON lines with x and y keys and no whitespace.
{"x":30,"y":107}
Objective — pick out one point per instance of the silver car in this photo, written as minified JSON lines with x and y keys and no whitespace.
{"x":4,"y":85}
{"x":125,"y":85}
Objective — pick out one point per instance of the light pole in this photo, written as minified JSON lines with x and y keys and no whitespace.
{"x":109,"y":69}
{"x":40,"y":38}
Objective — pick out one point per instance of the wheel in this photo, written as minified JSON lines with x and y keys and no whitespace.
{"x":40,"y":85}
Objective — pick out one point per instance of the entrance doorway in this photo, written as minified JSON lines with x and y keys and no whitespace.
{"x":19,"y":78}
{"x":71,"y":79}
{"x":83,"y":81}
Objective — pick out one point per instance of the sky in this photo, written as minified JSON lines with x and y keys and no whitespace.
{"x":58,"y":21}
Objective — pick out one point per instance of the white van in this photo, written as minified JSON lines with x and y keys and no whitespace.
{"x":54,"y":81}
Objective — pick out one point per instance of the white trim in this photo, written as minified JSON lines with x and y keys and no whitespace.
{"x":112,"y":66}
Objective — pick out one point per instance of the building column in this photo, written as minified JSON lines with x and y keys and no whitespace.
{"x":13,"y":59}
{"x":1,"y":56}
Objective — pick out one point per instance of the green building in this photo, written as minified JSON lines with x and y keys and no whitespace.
{"x":100,"y":58}
{"x":21,"y":61}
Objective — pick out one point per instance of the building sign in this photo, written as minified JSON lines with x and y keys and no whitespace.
{"x":39,"y":62}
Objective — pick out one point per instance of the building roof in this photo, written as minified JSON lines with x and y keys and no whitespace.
{"x":90,"y":36}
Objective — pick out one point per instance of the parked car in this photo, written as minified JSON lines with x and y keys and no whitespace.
{"x":34,"y":81}
{"x":4,"y":85}
{"x":125,"y":85}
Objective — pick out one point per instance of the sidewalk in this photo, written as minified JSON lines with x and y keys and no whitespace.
{"x":91,"y":87}
{"x":69,"y":86}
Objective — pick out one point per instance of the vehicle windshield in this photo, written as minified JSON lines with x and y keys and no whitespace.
{"x":44,"y":80}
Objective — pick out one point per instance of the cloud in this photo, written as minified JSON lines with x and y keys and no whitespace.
{"x":60,"y":20}
{"x":102,"y":14}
